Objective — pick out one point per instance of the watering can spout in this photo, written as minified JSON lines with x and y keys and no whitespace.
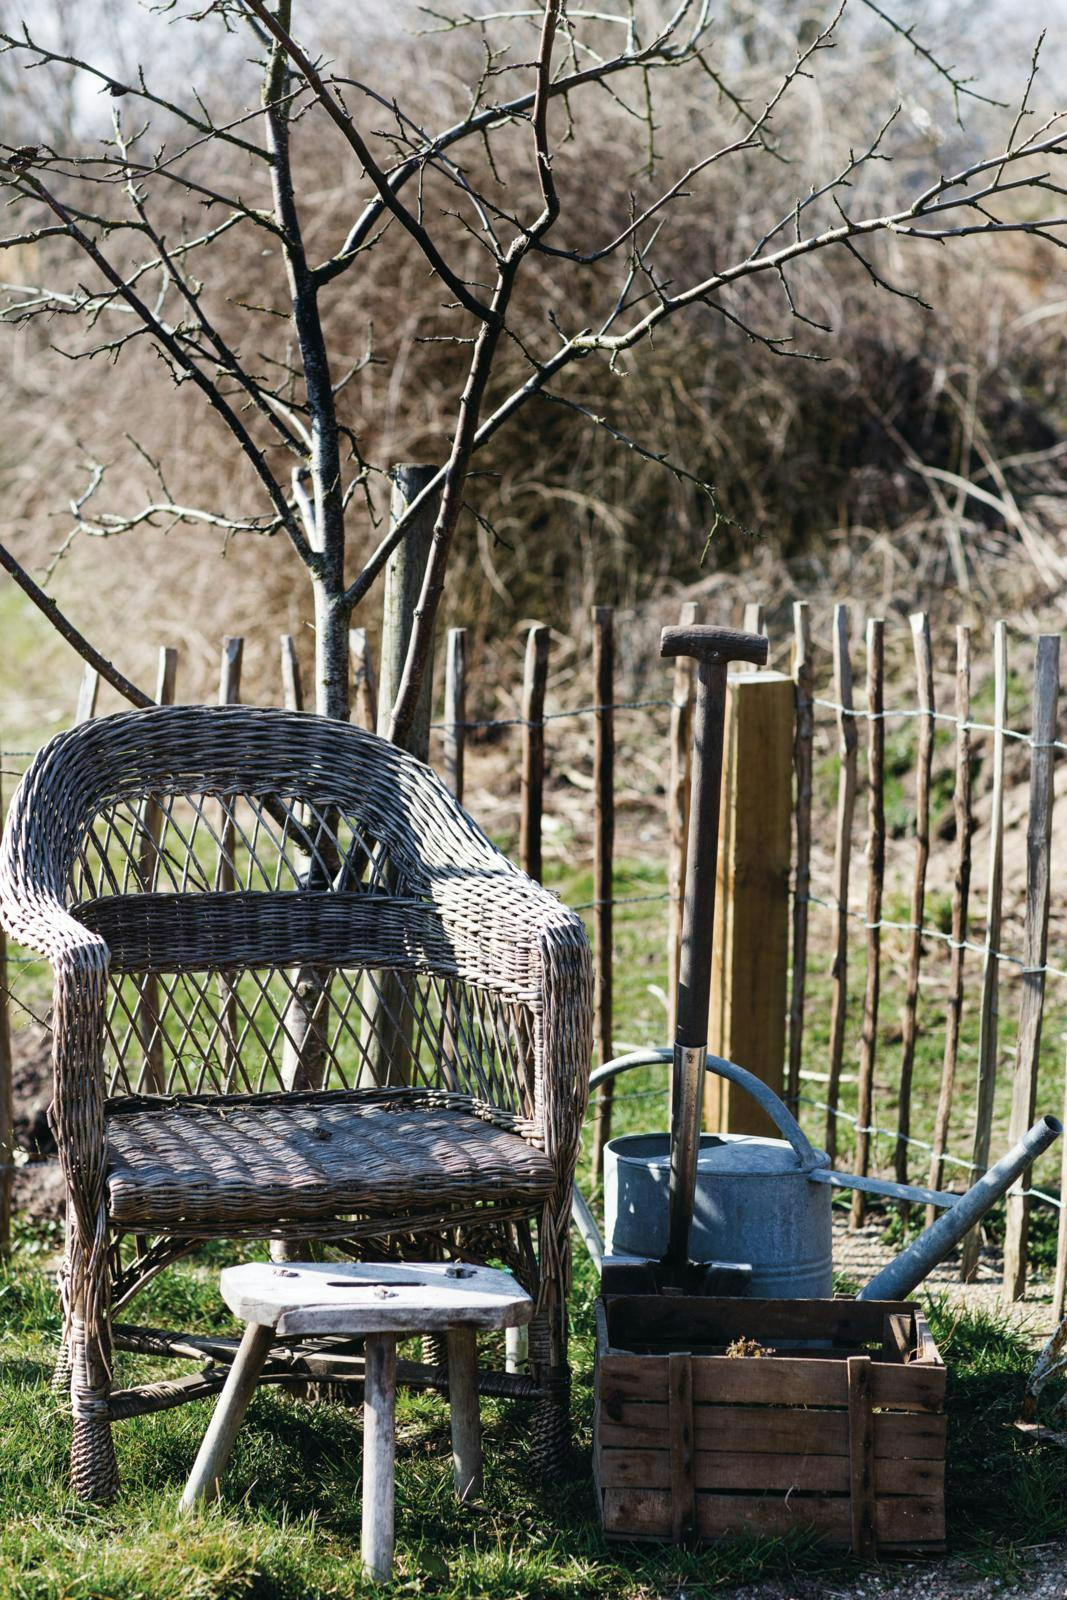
{"x":897,"y":1281}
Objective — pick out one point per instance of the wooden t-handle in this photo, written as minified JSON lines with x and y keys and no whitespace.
{"x":714,"y":644}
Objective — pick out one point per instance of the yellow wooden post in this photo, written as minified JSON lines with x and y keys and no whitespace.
{"x":750,"y":954}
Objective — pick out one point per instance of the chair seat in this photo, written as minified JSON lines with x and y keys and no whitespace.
{"x":184,"y":1165}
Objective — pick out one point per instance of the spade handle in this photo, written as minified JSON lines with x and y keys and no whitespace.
{"x":713,"y":649}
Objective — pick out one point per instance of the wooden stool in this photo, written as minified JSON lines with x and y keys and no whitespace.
{"x":381,"y":1301}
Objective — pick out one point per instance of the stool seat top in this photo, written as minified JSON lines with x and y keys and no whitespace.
{"x":311,"y":1297}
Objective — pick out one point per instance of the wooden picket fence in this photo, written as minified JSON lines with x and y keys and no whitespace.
{"x":827,"y":787}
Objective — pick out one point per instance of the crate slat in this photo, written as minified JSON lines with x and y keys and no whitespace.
{"x":693,"y":1444}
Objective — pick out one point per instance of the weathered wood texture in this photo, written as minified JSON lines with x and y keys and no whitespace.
{"x":403,"y":583}
{"x":802,"y":766}
{"x":455,"y":729}
{"x":292,"y":686}
{"x":848,"y":1441}
{"x":534,"y":683}
{"x":681,"y":725}
{"x":846,"y":806}
{"x":989,"y":1015}
{"x":875,"y":883}
{"x":924,"y":675}
{"x":1035,"y":948}
{"x":750,"y":951}
{"x":225,"y":880}
{"x":603,"y":858}
{"x":961,"y":891}
{"x":379,"y":1456}
{"x":87,"y":695}
{"x":146,"y":1016}
{"x":7,"y":1092}
{"x":364,"y":679}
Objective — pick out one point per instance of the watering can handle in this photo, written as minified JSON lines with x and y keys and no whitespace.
{"x":776,"y":1109}
{"x":764,"y":1096}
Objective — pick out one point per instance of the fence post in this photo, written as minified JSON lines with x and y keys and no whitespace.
{"x":225,"y":877}
{"x":1035,"y":949}
{"x":387,"y":997}
{"x":292,"y":687}
{"x":455,"y":730}
{"x":147,"y":1017}
{"x":403,"y":583}
{"x":802,"y":764}
{"x":875,"y":881}
{"x":924,"y":674}
{"x":603,"y":852}
{"x":750,"y":948}
{"x":678,"y":813}
{"x":535,"y":678}
{"x":87,"y":693}
{"x":989,"y":1016}
{"x":846,"y":806}
{"x":7,"y":1093}
{"x":364,"y":681}
{"x":961,"y":889}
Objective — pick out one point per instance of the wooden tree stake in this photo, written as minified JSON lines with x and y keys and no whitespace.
{"x":535,"y":679}
{"x":1035,"y":949}
{"x":846,"y":806}
{"x":875,"y":883}
{"x":924,"y":673}
{"x":455,"y":729}
{"x":603,"y":852}
{"x":403,"y":583}
{"x":961,"y":888}
{"x":802,"y":765}
{"x":988,"y":1034}
{"x":750,"y":946}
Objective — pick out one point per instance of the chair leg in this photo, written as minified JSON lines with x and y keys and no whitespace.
{"x":466,"y":1413}
{"x":93,"y":1468}
{"x":232,"y":1404}
{"x":550,"y":1422}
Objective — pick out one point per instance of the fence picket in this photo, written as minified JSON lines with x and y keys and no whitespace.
{"x":1035,"y":948}
{"x":875,"y":882}
{"x":7,"y":1093}
{"x":678,"y":811}
{"x":846,"y":806}
{"x":989,"y":1016}
{"x":292,"y":685}
{"x":961,"y":888}
{"x":802,"y":766}
{"x":364,"y":679}
{"x":603,"y":853}
{"x":146,"y":1020}
{"x":455,"y":731}
{"x":225,"y":880}
{"x":535,"y":679}
{"x":924,"y":674}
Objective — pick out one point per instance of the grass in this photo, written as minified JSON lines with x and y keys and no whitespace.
{"x":289,"y":1524}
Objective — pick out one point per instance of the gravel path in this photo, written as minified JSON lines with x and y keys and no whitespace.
{"x":1043,"y":1577}
{"x":863,"y":1253}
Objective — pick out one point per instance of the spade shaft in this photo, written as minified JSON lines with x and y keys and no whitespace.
{"x":713,"y":649}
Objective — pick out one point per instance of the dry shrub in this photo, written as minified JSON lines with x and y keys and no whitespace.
{"x":825,"y":470}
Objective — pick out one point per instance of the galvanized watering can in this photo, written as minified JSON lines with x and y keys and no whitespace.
{"x":762,"y":1209}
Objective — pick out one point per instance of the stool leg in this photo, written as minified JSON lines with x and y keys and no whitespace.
{"x":466,"y":1418}
{"x":229,"y":1412}
{"x":379,"y":1454}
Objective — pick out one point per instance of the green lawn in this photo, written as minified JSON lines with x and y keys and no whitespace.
{"x":289,"y":1525}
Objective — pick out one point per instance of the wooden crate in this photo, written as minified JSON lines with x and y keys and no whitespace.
{"x":842,"y":1432}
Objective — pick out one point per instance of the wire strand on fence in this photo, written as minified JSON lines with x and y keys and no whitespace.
{"x":910,"y":713}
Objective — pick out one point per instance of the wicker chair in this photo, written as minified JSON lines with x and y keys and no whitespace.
{"x":298,"y":996}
